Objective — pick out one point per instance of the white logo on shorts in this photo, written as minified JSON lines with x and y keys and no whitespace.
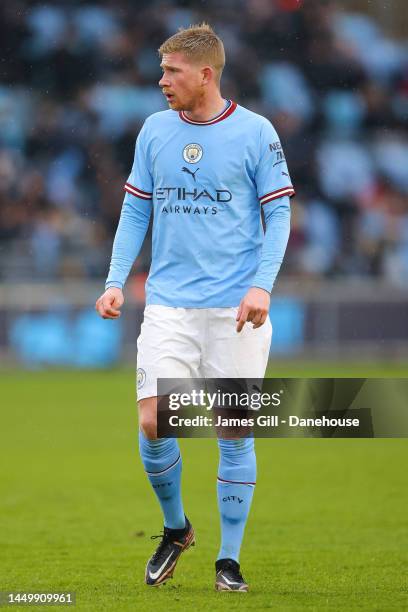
{"x":141,"y":377}
{"x":192,"y":153}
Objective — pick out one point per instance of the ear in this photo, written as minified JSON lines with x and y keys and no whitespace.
{"x":207,"y":74}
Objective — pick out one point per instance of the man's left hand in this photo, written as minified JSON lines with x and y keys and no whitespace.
{"x":253,"y":307}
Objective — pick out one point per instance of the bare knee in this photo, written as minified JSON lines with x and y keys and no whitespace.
{"x":149,"y":428}
{"x":148,"y":417}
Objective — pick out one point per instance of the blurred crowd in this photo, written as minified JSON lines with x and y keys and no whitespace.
{"x":77,"y":80}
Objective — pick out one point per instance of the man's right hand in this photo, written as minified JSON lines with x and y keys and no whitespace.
{"x":109,"y":304}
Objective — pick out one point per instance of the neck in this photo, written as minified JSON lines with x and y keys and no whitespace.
{"x":206,"y":108}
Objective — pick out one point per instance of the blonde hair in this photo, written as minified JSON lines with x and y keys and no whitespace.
{"x":199,"y":43}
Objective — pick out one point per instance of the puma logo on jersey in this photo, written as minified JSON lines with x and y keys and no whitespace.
{"x":184,"y":169}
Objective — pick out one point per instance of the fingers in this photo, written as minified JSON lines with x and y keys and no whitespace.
{"x":259,"y":320}
{"x":243,"y":317}
{"x":112,"y":313}
{"x":105,"y":308}
{"x":256,"y":316}
{"x":253,"y":307}
{"x":117,"y":302}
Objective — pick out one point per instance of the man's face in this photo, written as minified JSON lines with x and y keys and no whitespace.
{"x":181,"y":82}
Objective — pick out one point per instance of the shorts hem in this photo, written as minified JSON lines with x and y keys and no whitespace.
{"x":146,"y":395}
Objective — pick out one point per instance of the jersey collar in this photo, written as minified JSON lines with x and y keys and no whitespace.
{"x":223,"y":115}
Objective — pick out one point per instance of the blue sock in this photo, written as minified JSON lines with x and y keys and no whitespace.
{"x":162,"y":461}
{"x":235,"y":488}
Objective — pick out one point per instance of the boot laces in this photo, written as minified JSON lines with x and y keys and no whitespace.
{"x":161,"y":549}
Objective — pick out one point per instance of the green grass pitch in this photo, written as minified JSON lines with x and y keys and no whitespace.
{"x":328,"y":528}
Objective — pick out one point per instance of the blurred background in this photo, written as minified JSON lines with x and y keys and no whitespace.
{"x":77,"y":80}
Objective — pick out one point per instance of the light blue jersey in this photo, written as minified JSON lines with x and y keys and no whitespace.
{"x":205,"y":183}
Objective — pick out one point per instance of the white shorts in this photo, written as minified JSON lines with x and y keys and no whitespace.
{"x":198,"y":343}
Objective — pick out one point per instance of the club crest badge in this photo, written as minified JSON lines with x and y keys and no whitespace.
{"x":141,"y":378}
{"x":192,"y":153}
